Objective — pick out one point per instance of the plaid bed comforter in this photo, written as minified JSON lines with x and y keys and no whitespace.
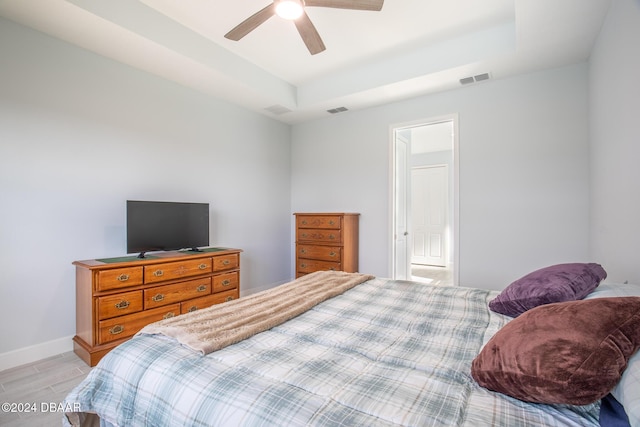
{"x":385,"y":353}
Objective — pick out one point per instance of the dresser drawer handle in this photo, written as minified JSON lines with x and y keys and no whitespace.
{"x":332,"y":254}
{"x":226,"y":262}
{"x":332,"y":237}
{"x":331,"y":222}
{"x":332,"y":269}
{"x":158,"y":273}
{"x":303,"y":265}
{"x":229,"y":299}
{"x":192,"y":308}
{"x":169,"y":315}
{"x":122,"y":305}
{"x":201,"y":288}
{"x":123,"y":277}
{"x":202,"y":266}
{"x":303,"y":251}
{"x":118,"y":329}
{"x":226,"y":282}
{"x":157,"y":297}
{"x":304,"y":222}
{"x":304,"y":235}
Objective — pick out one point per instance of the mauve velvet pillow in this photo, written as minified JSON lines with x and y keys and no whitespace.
{"x":557,"y":283}
{"x":565,"y":353}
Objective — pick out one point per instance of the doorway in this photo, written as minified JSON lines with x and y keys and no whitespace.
{"x":425,"y":201}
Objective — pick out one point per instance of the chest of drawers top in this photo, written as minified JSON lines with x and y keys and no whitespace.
{"x":118,"y":273}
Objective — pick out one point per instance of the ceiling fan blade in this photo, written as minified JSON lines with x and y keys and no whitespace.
{"x":251,"y":23}
{"x":309,"y":34}
{"x":347,"y":4}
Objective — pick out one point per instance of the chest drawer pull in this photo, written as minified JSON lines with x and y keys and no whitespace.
{"x":202,"y":266}
{"x":157,"y":297}
{"x":332,"y":254}
{"x":303,"y":265}
{"x":331,"y":222}
{"x":201,"y":288}
{"x":123,"y":277}
{"x":303,"y":251}
{"x":332,"y":237}
{"x":226,"y":262}
{"x":158,"y":273}
{"x":226,"y":282}
{"x":192,"y":308}
{"x":118,"y":329}
{"x":169,"y":315}
{"x":123,"y":305}
{"x":229,"y":299}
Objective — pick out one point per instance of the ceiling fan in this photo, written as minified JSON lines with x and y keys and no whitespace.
{"x":294,"y":10}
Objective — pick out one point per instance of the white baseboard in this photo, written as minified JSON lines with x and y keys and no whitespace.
{"x":33,"y":353}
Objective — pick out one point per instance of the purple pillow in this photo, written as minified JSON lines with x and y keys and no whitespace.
{"x":557,"y":283}
{"x":566,"y":353}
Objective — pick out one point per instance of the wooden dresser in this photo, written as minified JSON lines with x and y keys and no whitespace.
{"x":326,"y":241}
{"x":117,"y":297}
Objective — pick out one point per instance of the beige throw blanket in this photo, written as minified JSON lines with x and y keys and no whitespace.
{"x":221,"y":325}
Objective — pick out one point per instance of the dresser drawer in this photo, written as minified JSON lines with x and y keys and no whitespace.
{"x":176,"y":270}
{"x":118,"y":278}
{"x":319,"y":235}
{"x":318,"y":221}
{"x":126,"y":326}
{"x":169,"y":294}
{"x":209,"y":300}
{"x":226,"y":262}
{"x":119,"y":305}
{"x":226,"y":281}
{"x":325,"y":253}
{"x":310,"y":265}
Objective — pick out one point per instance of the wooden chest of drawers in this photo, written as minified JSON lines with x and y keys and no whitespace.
{"x":117,"y":297}
{"x":326,"y":241}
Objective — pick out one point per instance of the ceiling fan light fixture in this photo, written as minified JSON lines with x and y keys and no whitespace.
{"x":289,"y":9}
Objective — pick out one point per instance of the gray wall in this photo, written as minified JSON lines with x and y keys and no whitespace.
{"x":615,"y":143}
{"x":80,"y":135}
{"x":524,"y":172}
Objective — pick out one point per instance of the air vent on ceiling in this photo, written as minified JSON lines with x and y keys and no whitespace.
{"x":337,"y":110}
{"x":277,"y":109}
{"x":473,"y":79}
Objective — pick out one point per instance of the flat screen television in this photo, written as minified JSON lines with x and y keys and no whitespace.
{"x":166,"y":226}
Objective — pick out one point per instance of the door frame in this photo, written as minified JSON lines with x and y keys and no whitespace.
{"x":455,"y":234}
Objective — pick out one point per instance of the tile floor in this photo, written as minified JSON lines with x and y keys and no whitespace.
{"x":41,"y":386}
{"x":432,"y":275}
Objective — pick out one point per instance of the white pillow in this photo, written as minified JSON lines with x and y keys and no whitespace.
{"x":608,"y":290}
{"x":627,"y":392}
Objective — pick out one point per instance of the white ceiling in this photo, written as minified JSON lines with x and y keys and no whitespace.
{"x":410,"y":48}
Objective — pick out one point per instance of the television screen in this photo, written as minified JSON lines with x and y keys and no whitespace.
{"x":166,"y":226}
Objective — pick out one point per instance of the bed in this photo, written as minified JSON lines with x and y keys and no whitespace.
{"x":381,"y":353}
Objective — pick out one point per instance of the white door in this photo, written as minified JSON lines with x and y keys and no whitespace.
{"x":401,"y":256}
{"x":429,"y":215}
